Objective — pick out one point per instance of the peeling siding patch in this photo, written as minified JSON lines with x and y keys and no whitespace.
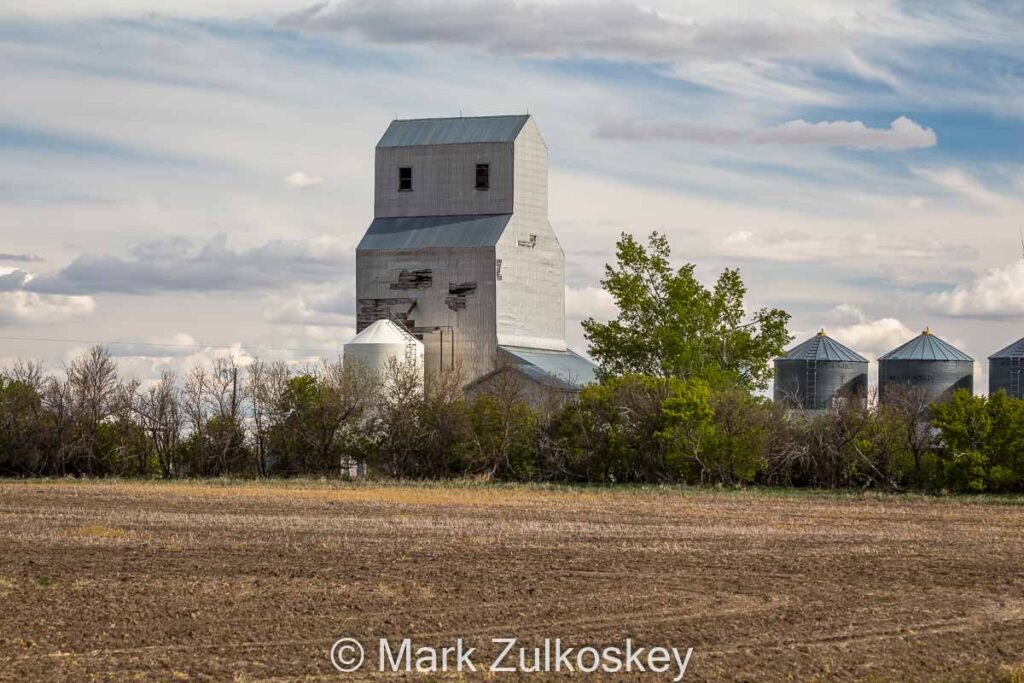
{"x":371,"y":310}
{"x":414,"y":279}
{"x":457,"y":293}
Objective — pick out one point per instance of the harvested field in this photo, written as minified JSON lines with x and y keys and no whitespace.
{"x":215,"y":581}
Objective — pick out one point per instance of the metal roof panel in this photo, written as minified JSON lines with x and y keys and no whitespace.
{"x":570,"y":369}
{"x":823,"y":347}
{"x":1014,"y":350}
{"x":452,"y":131}
{"x":926,"y":346}
{"x":419,"y":232}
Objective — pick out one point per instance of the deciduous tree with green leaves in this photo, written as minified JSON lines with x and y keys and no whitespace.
{"x":670,"y":325}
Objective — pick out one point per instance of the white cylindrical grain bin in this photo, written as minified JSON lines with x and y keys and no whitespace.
{"x":381,"y":341}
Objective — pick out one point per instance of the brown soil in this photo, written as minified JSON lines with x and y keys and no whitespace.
{"x":114,"y":581}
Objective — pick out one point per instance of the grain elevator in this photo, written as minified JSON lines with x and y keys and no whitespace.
{"x":460,"y":252}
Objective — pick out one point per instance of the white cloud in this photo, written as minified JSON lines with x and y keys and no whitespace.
{"x":12,"y":279}
{"x":589,"y":302}
{"x":959,"y":182}
{"x":200,"y":9}
{"x":848,"y":313}
{"x":794,"y":246}
{"x":901,"y":134}
{"x":872,"y":338}
{"x":300,"y":179}
{"x":604,"y":29}
{"x":177,"y":264}
{"x":19,"y":307}
{"x":19,"y":258}
{"x":999,"y":293}
{"x":318,"y":101}
{"x":328,"y":305}
{"x":163,"y":347}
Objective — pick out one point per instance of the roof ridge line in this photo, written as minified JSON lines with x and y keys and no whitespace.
{"x":458,"y":118}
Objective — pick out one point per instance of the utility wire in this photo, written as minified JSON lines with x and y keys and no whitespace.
{"x":167,"y":345}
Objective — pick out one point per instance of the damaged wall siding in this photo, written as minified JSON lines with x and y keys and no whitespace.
{"x":421,"y":278}
{"x":473,"y":344}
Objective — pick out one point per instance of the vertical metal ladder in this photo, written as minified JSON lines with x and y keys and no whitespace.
{"x":812,"y":385}
{"x":410,"y":339}
{"x":1015,"y":376}
{"x":410,"y":352}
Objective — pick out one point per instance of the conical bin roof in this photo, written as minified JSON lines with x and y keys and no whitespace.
{"x":383,"y":332}
{"x":823,"y":347}
{"x":926,"y":346}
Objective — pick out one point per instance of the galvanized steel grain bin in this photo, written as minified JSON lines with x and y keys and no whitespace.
{"x":1004,"y":369}
{"x":927,"y":365}
{"x":819,"y":372}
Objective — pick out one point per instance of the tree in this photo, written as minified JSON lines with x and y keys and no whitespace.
{"x":737,"y":451}
{"x":226,"y":395}
{"x":397,"y":423}
{"x":159,"y":411}
{"x":312,"y":420}
{"x":981,"y":441}
{"x":266,"y":386}
{"x":444,"y":424}
{"x":906,"y":410}
{"x":670,"y":325}
{"x":95,"y":395}
{"x":503,"y":429}
{"x":1005,"y":444}
{"x":23,"y":425}
{"x":689,"y":417}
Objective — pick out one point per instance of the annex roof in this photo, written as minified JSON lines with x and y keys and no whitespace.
{"x":926,"y":346}
{"x":453,"y":131}
{"x":418,"y":232}
{"x":823,"y":347}
{"x":561,"y":369}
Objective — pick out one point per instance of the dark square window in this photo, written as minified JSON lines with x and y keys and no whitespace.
{"x":483,"y":176}
{"x":405,"y":179}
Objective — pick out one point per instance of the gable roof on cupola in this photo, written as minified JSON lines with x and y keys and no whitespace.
{"x":453,"y":131}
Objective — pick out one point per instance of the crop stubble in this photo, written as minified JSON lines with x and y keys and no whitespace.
{"x":198,"y":581}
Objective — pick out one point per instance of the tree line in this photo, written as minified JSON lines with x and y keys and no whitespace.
{"x":269,"y":419}
{"x":678,"y":401}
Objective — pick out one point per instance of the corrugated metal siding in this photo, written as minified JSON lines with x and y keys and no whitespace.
{"x":452,"y":131}
{"x":531,"y":292}
{"x":444,"y":180}
{"x":422,"y":232}
{"x":1004,"y":374}
{"x":933,"y":379}
{"x":475,"y":343}
{"x":816,"y":384}
{"x":926,"y":347}
{"x":498,"y":239}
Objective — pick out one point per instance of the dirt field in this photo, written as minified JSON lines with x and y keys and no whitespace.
{"x":113,"y":581}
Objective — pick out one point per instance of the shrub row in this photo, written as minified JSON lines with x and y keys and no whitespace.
{"x":267,"y":419}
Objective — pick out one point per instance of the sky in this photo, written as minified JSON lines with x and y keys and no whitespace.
{"x":191,"y":178}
